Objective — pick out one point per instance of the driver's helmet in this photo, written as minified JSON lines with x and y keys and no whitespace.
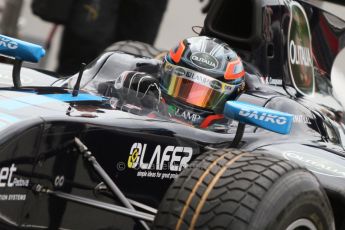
{"x":199,"y":76}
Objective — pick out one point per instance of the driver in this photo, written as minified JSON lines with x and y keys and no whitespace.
{"x":191,"y":85}
{"x":197,"y":78}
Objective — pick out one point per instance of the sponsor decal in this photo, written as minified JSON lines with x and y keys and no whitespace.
{"x":266,"y":117}
{"x":164,"y":162}
{"x":299,"y":49}
{"x":59,"y":181}
{"x":204,"y":61}
{"x":216,"y":85}
{"x":274,"y":119}
{"x":185,"y":114}
{"x":180,"y":72}
{"x":7,"y":178}
{"x":317,"y":164}
{"x":209,"y":82}
{"x":172,"y":158}
{"x":7,"y":43}
{"x":301,"y":119}
{"x":300,"y":55}
{"x":202,"y":79}
{"x":12,"y":197}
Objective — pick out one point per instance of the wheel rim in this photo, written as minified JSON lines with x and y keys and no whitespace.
{"x":302,"y":224}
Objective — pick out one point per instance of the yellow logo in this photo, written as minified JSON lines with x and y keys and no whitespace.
{"x":133,"y":157}
{"x":173,"y":158}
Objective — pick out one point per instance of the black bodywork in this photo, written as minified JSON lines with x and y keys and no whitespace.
{"x":40,"y":164}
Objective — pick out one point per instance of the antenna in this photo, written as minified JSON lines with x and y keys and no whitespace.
{"x":77,"y":84}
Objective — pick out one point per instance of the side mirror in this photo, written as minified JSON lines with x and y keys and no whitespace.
{"x":268,"y":119}
{"x":20,"y":51}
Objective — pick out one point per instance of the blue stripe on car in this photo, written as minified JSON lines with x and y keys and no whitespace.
{"x":8,"y":118}
{"x":33,"y":99}
{"x":70,"y":98}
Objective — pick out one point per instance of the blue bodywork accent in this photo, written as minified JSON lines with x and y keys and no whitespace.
{"x":20,"y":50}
{"x":8,"y":118}
{"x":268,"y":119}
{"x":34,"y":99}
{"x":22,"y":102}
{"x":80,"y":97}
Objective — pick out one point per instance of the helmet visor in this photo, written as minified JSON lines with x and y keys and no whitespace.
{"x":195,"y":88}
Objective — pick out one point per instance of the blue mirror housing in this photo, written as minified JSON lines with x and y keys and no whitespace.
{"x":268,"y":119}
{"x":20,"y":50}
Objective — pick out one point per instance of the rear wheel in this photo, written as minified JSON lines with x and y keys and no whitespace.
{"x":230,"y":189}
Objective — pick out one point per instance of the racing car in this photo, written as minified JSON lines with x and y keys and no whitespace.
{"x":78,"y":154}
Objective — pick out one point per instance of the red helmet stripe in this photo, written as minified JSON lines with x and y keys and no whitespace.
{"x":230,"y":70}
{"x":176,"y":56}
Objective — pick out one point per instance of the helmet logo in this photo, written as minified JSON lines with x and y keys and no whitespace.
{"x":180,"y":72}
{"x":216,"y":85}
{"x":204,"y":61}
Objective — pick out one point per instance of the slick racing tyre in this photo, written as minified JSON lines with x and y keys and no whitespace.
{"x":136,"y":48}
{"x":230,"y":189}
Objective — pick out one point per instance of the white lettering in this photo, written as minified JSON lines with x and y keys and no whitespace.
{"x":8,"y":43}
{"x":175,"y":159}
{"x":12,"y":45}
{"x":156,"y":157}
{"x":12,"y":170}
{"x":292,"y":52}
{"x":315,"y":164}
{"x":281,"y":120}
{"x":244,"y":113}
{"x":274,"y":119}
{"x":4,"y":176}
{"x":172,"y":158}
{"x":254,"y":115}
{"x":7,"y":178}
{"x":203,"y":60}
{"x":142,"y":164}
{"x":166,"y":157}
{"x":301,"y":119}
{"x":270,"y":118}
{"x":185,"y":160}
{"x":299,"y":55}
{"x":187,"y":115}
